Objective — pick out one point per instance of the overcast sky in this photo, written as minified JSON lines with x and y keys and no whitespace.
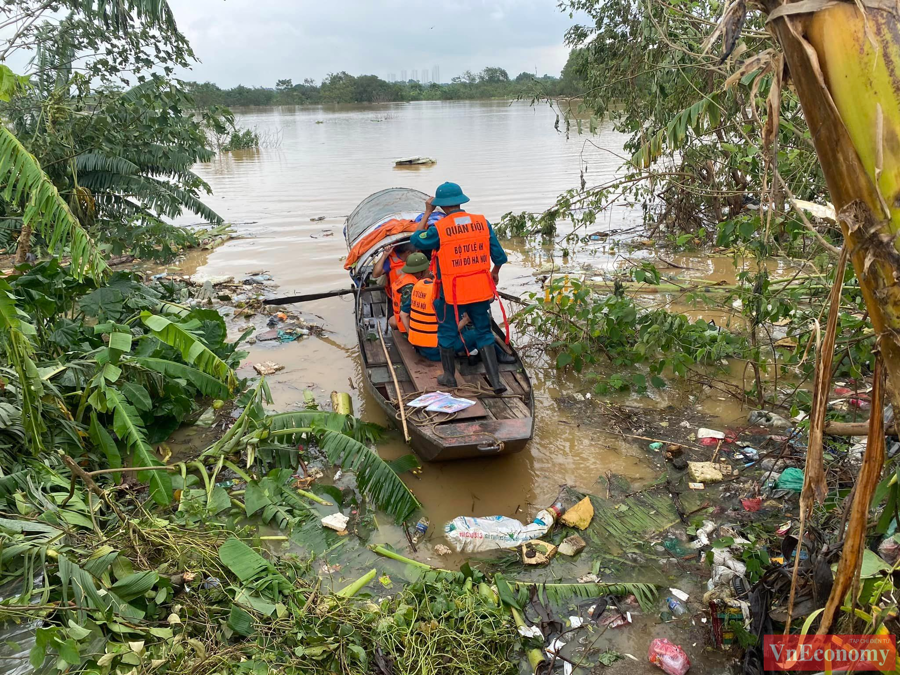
{"x":256,"y":42}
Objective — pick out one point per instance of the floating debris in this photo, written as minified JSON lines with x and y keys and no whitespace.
{"x":336,"y":521}
{"x":704,"y":472}
{"x":579,"y":515}
{"x":710,"y":433}
{"x":572,"y":545}
{"x":267,"y":367}
{"x":537,"y":552}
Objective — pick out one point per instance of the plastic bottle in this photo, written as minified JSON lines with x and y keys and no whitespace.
{"x":676,"y":606}
{"x":565,"y":500}
{"x":420,"y":529}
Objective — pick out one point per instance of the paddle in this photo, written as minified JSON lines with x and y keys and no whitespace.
{"x":291,"y":299}
{"x":310,"y":296}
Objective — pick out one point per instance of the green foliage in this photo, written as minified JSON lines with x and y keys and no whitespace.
{"x":242,"y":139}
{"x":15,"y":342}
{"x":694,"y":137}
{"x":585,"y":329}
{"x":646,"y":594}
{"x":182,"y":337}
{"x":114,"y":136}
{"x":374,"y":476}
{"x":103,"y":388}
{"x":27,"y":190}
{"x":491,"y":82}
{"x":205,"y":384}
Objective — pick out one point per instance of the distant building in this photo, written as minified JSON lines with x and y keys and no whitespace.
{"x":392,"y":77}
{"x":436,"y":75}
{"x":403,"y":76}
{"x":415,"y":75}
{"x":424,"y":75}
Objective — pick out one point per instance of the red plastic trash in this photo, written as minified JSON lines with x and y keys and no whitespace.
{"x":671,"y":658}
{"x":752,"y":505}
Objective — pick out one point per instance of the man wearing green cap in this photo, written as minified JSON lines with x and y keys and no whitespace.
{"x":465,"y":246}
{"x":417,"y":265}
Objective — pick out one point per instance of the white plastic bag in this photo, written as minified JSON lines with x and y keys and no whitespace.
{"x":470,"y":535}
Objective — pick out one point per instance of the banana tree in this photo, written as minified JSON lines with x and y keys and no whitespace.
{"x":842,"y":59}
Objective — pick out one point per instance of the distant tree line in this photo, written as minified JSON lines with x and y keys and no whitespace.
{"x":492,"y":82}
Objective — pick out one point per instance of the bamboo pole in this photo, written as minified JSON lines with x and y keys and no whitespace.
{"x":847,"y":428}
{"x":390,"y":363}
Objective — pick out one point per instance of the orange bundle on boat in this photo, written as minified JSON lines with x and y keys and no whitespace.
{"x":391,"y":227}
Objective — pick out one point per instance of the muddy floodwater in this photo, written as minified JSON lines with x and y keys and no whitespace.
{"x":507,"y":157}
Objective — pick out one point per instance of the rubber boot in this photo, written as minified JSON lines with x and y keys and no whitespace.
{"x":502,"y":355}
{"x":492,"y":368}
{"x":448,"y":361}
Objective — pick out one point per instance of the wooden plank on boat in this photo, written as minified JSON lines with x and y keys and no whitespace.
{"x":405,"y":387}
{"x":522,"y":380}
{"x":374,"y":352}
{"x":424,"y":374}
{"x":381,"y":375}
{"x":499,"y":407}
{"x":512,"y":383}
{"x":518,"y":406}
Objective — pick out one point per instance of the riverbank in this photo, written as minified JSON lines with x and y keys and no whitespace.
{"x":736,"y":516}
{"x":238,"y":563}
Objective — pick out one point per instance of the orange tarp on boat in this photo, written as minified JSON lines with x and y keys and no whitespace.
{"x":391,"y":227}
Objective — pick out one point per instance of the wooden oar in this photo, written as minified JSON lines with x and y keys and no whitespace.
{"x":308,"y":297}
{"x":291,"y":299}
{"x":396,"y":384}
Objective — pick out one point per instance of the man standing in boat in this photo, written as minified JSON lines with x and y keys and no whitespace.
{"x":464,"y":246}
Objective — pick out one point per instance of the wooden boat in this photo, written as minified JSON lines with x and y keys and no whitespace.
{"x":495,"y":425}
{"x":414,"y":161}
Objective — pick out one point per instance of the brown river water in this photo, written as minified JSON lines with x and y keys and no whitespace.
{"x":507,"y":157}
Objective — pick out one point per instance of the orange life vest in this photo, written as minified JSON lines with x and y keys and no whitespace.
{"x":423,"y":323}
{"x":465,"y":258}
{"x":402,"y":280}
{"x":397,"y":264}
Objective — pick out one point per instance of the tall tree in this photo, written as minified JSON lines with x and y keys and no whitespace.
{"x":101,"y":115}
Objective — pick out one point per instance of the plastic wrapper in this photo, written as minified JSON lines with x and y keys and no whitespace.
{"x":470,"y":535}
{"x":17,"y":639}
{"x":790,"y":479}
{"x":670,"y":657}
{"x":889,"y":550}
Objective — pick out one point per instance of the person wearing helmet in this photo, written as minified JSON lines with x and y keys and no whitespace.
{"x":467,"y":261}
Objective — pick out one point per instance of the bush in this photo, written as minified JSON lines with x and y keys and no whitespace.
{"x":242,"y":139}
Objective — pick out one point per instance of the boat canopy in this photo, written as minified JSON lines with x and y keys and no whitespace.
{"x":379,"y":208}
